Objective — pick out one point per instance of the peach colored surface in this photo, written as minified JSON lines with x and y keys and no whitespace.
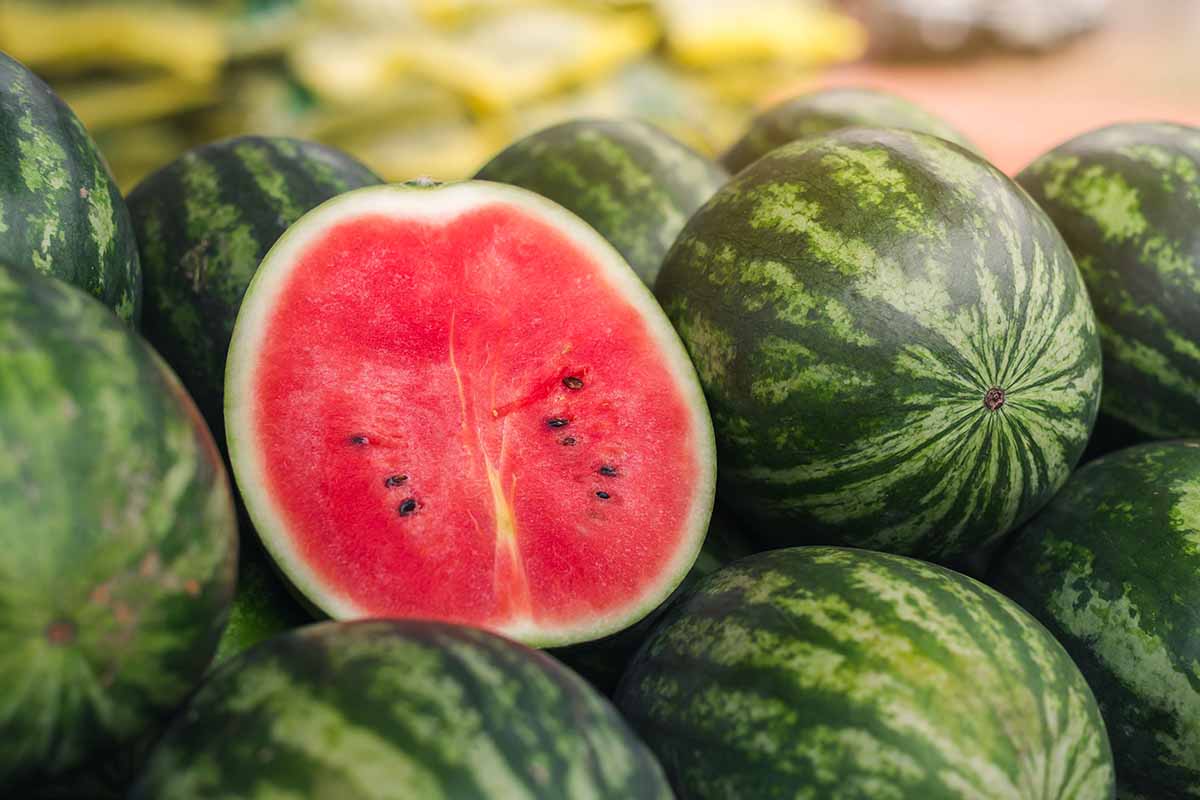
{"x":1145,"y":64}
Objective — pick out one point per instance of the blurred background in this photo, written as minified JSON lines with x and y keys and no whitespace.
{"x":435,"y":87}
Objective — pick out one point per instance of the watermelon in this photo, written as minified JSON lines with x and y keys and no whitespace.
{"x":61,"y":212}
{"x":602,"y":662}
{"x":632,"y":182}
{"x":458,"y":402}
{"x":117,"y":531}
{"x":823,"y":672}
{"x":1127,"y":200}
{"x":398,"y":709}
{"x":262,"y":606}
{"x":897,"y":348}
{"x":832,"y":110}
{"x":1111,"y":567}
{"x":203,"y":224}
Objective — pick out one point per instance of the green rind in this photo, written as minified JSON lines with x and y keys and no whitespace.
{"x":832,"y":110}
{"x":61,"y":212}
{"x":1127,"y":200}
{"x":821,"y":672}
{"x":204,"y":222}
{"x":1112,"y":568}
{"x":262,"y":606}
{"x":117,"y":531}
{"x":848,"y":302}
{"x":398,"y":709}
{"x":632,"y":182}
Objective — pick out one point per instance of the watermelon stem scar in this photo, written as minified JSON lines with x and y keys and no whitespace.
{"x":994,"y":398}
{"x":490,"y":353}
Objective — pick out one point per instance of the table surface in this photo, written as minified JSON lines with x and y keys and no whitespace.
{"x":1143,"y":65}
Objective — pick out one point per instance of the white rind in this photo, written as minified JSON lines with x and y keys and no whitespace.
{"x":440,"y":205}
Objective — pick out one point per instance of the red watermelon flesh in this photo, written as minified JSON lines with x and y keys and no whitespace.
{"x":459,"y":403}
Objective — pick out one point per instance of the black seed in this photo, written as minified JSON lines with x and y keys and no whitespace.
{"x":571,"y":382}
{"x":395,"y":480}
{"x":603,"y":495}
{"x":608,"y":472}
{"x":359,"y":439}
{"x":569,"y":441}
{"x":407,"y":507}
{"x":557,"y":422}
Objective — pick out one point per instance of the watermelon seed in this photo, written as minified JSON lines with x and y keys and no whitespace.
{"x":569,"y":441}
{"x":61,"y":631}
{"x":994,"y":398}
{"x":407,"y":507}
{"x":603,"y":495}
{"x":608,"y":472}
{"x":395,"y":480}
{"x":557,"y":422}
{"x":571,"y":382}
{"x":359,"y":439}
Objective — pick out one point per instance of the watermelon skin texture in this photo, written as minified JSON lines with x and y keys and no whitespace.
{"x":823,"y":672}
{"x":398,"y":709}
{"x":632,"y":182}
{"x":832,"y":110}
{"x":204,"y":222}
{"x":1111,"y":568}
{"x":118,"y":538}
{"x":850,"y":303}
{"x":262,"y":606}
{"x":61,"y":212}
{"x":1127,"y":200}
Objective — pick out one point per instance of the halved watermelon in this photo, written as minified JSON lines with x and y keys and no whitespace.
{"x":459,"y":403}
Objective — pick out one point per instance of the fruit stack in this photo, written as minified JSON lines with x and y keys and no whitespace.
{"x":476,"y":432}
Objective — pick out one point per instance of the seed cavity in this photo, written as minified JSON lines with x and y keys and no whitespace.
{"x":603,"y":495}
{"x":567,"y":441}
{"x":359,"y":440}
{"x":61,"y":632}
{"x":407,"y":507}
{"x":608,"y":472}
{"x":395,"y":480}
{"x":573,"y":383}
{"x":557,"y":422}
{"x":994,"y":398}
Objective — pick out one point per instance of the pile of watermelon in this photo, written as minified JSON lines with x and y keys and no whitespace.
{"x":318,"y":487}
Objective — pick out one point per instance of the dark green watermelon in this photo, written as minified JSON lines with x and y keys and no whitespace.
{"x":632,"y":182}
{"x":832,"y":110}
{"x":262,"y":606}
{"x":602,"y":661}
{"x":61,"y":212}
{"x":117,"y":531}
{"x":820,"y":672}
{"x":203,"y":223}
{"x":895,"y":344}
{"x":1112,"y":568}
{"x":1127,"y":200}
{"x":398,"y":709}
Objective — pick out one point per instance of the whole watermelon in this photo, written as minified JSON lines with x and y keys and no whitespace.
{"x":1127,"y":200}
{"x":632,"y":182}
{"x":262,"y":605}
{"x":831,"y":110}
{"x":821,"y":672}
{"x":398,"y":709}
{"x":60,"y":210}
{"x":895,"y":343}
{"x":1111,"y":567}
{"x":117,"y":531}
{"x":203,"y":224}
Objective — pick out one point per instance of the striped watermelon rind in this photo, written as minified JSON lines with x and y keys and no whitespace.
{"x":896,"y":346}
{"x":828,"y":672}
{"x":61,"y":212}
{"x":1127,"y":200}
{"x":385,"y":709}
{"x":1112,"y":568}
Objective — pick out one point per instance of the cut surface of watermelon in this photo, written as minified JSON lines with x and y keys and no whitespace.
{"x":459,"y":403}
